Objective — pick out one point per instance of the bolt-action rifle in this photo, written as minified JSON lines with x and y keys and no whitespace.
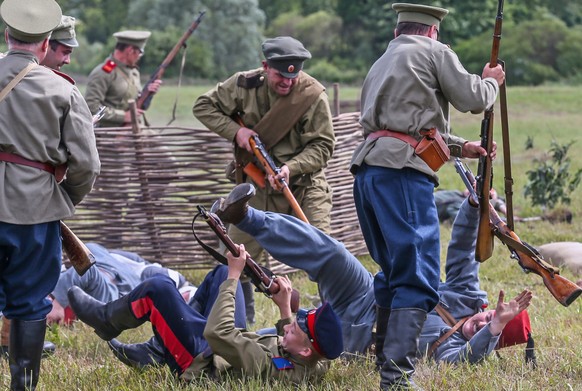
{"x":145,"y":97}
{"x":530,"y":260}
{"x":261,"y":277}
{"x":269,"y":166}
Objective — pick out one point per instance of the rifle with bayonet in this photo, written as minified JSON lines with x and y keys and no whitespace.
{"x":145,"y":97}
{"x":484,"y":247}
{"x":530,"y":260}
{"x":261,"y":277}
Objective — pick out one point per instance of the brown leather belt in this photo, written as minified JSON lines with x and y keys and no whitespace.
{"x":57,"y":171}
{"x":391,"y":133}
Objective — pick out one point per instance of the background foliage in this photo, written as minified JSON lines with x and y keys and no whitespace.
{"x":542,"y":39}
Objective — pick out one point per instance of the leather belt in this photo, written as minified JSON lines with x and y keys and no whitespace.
{"x":391,"y":133}
{"x":57,"y":171}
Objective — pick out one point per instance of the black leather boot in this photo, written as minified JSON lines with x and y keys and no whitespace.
{"x":382,"y":316}
{"x":25,"y":351}
{"x":48,"y":348}
{"x":234,"y":208}
{"x":108,"y":320}
{"x":139,"y":355}
{"x":400,"y":348}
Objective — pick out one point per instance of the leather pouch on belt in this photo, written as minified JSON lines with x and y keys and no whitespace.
{"x":433,"y":150}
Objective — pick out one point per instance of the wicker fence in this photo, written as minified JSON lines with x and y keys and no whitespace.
{"x":150,"y":184}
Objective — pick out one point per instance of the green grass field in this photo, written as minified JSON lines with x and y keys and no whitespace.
{"x":84,"y":362}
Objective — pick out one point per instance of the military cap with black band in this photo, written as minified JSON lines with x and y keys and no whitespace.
{"x":285,"y":54}
{"x":30,"y":20}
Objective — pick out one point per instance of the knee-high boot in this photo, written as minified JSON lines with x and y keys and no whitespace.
{"x":382,"y":316}
{"x":25,"y":351}
{"x":400,"y":348}
{"x":138,"y":355}
{"x":109,"y":319}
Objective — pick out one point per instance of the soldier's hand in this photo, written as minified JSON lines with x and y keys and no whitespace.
{"x":473,"y":150}
{"x":275,"y":181}
{"x":242,"y":138}
{"x":236,"y":264}
{"x":283,"y":298}
{"x":497,"y":73}
{"x":154,"y":86}
{"x":505,"y":312}
{"x":127,"y":118}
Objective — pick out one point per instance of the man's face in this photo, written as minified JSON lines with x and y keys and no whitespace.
{"x":476,"y":323}
{"x":294,"y":341}
{"x":133,"y":55}
{"x":55,"y":59}
{"x":278,"y":83}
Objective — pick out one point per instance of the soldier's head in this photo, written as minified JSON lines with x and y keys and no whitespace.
{"x":61,"y":45}
{"x":516,"y":331}
{"x":130,"y":46}
{"x":418,"y":19}
{"x":29,"y":24}
{"x":315,"y":334}
{"x":284,"y":57}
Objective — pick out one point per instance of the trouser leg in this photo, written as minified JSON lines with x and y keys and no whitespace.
{"x":25,"y":351}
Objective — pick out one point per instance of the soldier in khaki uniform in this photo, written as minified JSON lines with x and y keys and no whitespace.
{"x":61,"y":45}
{"x":117,"y":80}
{"x":48,"y":163}
{"x":210,"y":339}
{"x":407,"y":91}
{"x":290,"y":109}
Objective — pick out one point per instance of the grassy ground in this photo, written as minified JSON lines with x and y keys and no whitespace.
{"x":83,"y":361}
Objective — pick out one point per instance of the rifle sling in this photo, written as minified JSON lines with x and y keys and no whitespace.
{"x":281,"y":117}
{"x":222,"y":259}
{"x":506,"y":152}
{"x":525,"y":248}
{"x":449,"y":320}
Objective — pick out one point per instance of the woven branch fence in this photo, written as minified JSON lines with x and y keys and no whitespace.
{"x":151,"y":182}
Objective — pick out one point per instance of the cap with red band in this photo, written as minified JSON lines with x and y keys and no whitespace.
{"x":323,"y":328}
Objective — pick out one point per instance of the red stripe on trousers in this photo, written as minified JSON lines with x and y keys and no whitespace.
{"x":144,"y":306}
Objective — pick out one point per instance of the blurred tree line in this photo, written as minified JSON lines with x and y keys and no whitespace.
{"x":541,"y":40}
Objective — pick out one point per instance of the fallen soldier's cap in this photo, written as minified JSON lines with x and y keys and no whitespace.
{"x":517,"y":331}
{"x":323,"y":328}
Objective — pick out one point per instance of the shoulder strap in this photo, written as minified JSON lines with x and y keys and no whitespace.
{"x":449,"y":320}
{"x":287,"y":110}
{"x":16,"y":80}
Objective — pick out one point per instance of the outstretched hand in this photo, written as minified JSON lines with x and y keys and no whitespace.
{"x":505,"y":312}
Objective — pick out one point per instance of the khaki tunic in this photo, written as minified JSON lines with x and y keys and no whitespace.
{"x":305,"y":150}
{"x":409,"y":89}
{"x":238,"y":353}
{"x":113,"y":89}
{"x":44,"y":119}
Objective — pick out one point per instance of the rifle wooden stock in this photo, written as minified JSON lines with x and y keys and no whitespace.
{"x":145,"y":97}
{"x":79,"y":255}
{"x":484,"y":248}
{"x":264,"y":283}
{"x":564,"y":290}
{"x":271,"y":169}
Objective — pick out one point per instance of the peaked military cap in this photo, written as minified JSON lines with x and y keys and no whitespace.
{"x":30,"y":20}
{"x":323,"y":328}
{"x":285,"y":54}
{"x":419,"y":13}
{"x":65,"y":32}
{"x":135,"y":38}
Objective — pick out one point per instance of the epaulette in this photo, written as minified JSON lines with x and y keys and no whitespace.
{"x":282,"y":364}
{"x":250,"y":81}
{"x":64,"y":76}
{"x":109,"y":66}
